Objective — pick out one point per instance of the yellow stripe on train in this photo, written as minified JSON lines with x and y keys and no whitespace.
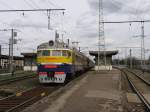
{"x":50,"y":59}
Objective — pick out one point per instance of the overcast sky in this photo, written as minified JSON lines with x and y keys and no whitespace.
{"x":80,"y":23}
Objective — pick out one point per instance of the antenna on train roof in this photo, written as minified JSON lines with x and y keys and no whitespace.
{"x":56,"y":36}
{"x":68,"y":42}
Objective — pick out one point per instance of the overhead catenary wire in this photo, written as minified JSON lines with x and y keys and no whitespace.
{"x":47,"y":14}
{"x":32,"y":10}
{"x":34,"y":7}
{"x":142,"y":36}
{"x":135,"y":21}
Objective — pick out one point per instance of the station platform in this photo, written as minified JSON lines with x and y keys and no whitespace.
{"x":96,"y":92}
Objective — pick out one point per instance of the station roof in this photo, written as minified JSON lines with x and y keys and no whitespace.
{"x":108,"y":53}
{"x":29,"y":54}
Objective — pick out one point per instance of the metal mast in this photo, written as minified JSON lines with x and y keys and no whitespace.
{"x":142,"y":44}
{"x":101,"y":39}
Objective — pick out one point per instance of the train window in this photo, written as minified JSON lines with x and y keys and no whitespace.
{"x":69,"y":54}
{"x":64,"y":53}
{"x":39,"y":53}
{"x":56,"y":53}
{"x":46,"y":53}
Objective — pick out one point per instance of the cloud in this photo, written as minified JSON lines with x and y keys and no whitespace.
{"x":108,"y":6}
{"x":31,"y":24}
{"x":126,"y":7}
{"x":87,"y":26}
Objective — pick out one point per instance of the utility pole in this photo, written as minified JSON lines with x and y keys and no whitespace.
{"x":126,"y":63}
{"x":11,"y":52}
{"x":130,"y":58}
{"x":118,"y":60}
{"x":12,"y":41}
{"x":129,"y":53}
{"x":0,"y":49}
{"x":142,"y":44}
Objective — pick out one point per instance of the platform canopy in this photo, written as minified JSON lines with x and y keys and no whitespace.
{"x":108,"y":53}
{"x":29,"y":54}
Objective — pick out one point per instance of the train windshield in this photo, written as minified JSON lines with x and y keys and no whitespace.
{"x":43,"y":53}
{"x":46,"y":53}
{"x":56,"y":53}
{"x":65,"y":53}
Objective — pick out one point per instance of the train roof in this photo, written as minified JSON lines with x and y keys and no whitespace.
{"x":53,"y":45}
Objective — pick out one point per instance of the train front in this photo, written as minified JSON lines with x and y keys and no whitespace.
{"x":54,"y":65}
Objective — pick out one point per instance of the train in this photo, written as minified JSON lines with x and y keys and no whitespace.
{"x":57,"y":62}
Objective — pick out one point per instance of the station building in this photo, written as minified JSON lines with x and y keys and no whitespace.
{"x":102,"y":65}
{"x":30,"y":61}
{"x":4,"y":62}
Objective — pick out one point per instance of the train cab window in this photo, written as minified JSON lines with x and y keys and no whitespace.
{"x":64,"y":53}
{"x":56,"y":53}
{"x":46,"y":53}
{"x":69,"y":54}
{"x":39,"y":53}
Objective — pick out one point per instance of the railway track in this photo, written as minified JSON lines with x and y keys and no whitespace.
{"x":140,"y":86}
{"x":18,"y":102}
{"x":10,"y":80}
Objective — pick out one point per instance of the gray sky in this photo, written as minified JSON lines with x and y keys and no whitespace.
{"x":80,"y":23}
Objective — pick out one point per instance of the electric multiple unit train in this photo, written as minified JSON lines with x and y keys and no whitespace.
{"x":57,"y":62}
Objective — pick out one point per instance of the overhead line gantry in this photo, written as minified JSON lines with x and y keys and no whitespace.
{"x":142,"y":35}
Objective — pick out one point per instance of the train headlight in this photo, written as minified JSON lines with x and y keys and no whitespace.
{"x":51,"y":43}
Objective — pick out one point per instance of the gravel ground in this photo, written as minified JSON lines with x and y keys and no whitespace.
{"x":19,"y":74}
{"x":145,"y":75}
{"x":19,"y":86}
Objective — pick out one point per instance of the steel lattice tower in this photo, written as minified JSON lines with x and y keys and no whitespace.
{"x":101,"y":39}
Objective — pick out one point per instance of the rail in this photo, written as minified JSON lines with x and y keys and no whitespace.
{"x":136,"y":90}
{"x":10,"y":80}
{"x":23,"y":99}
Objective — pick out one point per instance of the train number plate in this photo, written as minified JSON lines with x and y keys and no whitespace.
{"x":51,"y":78}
